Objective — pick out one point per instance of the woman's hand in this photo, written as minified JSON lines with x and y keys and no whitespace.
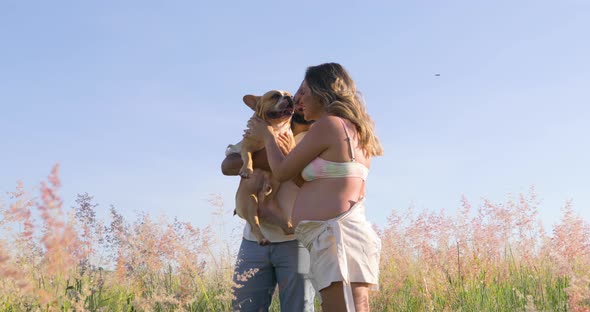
{"x":258,"y":129}
{"x":286,"y":142}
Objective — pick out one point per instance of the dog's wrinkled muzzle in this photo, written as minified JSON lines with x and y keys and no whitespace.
{"x":285,"y":109}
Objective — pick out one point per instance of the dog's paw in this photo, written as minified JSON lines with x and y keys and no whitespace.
{"x":288,"y":228}
{"x":246,"y":173}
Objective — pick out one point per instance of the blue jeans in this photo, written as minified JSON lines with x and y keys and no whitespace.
{"x":285,"y":264}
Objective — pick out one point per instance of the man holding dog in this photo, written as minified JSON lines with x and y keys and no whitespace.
{"x":284,"y":261}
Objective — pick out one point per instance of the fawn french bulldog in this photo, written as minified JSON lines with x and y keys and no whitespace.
{"x":276,"y":108}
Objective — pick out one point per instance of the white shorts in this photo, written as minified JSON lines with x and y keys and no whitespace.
{"x":345,"y":249}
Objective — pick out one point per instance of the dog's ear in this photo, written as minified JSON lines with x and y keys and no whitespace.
{"x":251,"y":100}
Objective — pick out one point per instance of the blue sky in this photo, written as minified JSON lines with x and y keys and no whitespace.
{"x":137,"y":100}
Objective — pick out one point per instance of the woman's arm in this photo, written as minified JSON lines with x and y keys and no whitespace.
{"x":313,"y":144}
{"x":298,"y":180}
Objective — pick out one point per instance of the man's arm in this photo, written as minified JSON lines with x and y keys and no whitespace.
{"x":233,"y":162}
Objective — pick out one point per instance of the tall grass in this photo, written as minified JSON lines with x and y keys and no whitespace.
{"x":74,"y":261}
{"x":496,"y":257}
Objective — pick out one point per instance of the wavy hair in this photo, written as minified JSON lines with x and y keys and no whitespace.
{"x":337,"y":92}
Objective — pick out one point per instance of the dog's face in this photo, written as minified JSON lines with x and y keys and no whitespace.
{"x":273,"y":106}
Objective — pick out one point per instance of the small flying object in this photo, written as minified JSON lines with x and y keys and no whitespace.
{"x":437,"y":75}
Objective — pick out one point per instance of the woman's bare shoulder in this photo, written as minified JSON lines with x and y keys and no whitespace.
{"x":326,"y":131}
{"x":328,"y":122}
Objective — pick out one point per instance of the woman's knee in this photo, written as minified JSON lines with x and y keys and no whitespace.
{"x":333,"y":297}
{"x":360,"y":293}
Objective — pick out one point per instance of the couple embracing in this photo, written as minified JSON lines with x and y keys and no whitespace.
{"x":322,"y":183}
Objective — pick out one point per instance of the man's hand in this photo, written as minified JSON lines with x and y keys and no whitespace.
{"x":286,"y":142}
{"x":233,"y":162}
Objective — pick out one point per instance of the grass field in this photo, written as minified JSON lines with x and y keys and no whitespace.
{"x":494,"y":257}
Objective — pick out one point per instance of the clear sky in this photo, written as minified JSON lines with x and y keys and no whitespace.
{"x":137,"y":100}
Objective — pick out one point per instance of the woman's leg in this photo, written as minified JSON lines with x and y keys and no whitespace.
{"x":360,"y":293}
{"x":333,"y":297}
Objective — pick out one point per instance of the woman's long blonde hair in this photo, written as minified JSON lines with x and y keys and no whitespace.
{"x":337,"y":92}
